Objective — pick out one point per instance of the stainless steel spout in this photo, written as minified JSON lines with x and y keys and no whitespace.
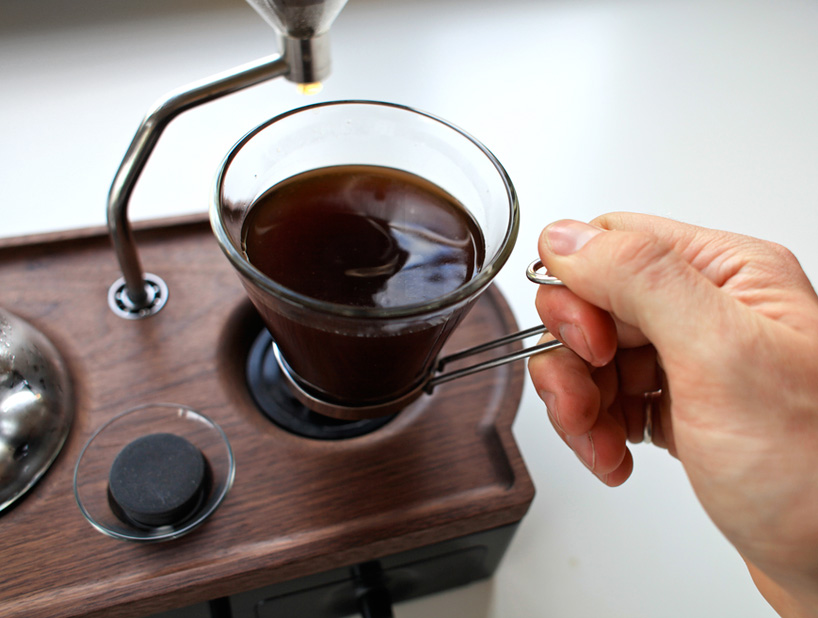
{"x":303,"y":29}
{"x":301,"y":19}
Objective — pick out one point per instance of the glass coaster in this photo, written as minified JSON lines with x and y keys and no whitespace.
{"x":91,"y":474}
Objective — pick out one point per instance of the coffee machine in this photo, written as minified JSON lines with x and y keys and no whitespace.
{"x":300,"y":513}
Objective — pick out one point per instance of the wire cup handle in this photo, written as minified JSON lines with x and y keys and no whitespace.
{"x":535,"y":272}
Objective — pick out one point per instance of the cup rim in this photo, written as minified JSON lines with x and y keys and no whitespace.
{"x":460,"y":294}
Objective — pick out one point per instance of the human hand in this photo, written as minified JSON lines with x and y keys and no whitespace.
{"x":727,"y":327}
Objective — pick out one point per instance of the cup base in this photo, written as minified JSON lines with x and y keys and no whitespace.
{"x":273,"y":395}
{"x":338,"y":410}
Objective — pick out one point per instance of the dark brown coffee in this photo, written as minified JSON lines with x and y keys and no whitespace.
{"x":361,"y":236}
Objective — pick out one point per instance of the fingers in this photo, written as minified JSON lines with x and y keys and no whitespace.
{"x":597,"y":410}
{"x":641,"y":243}
{"x":625,"y":288}
{"x":701,"y":299}
{"x":638,"y":370}
{"x":587,"y":330}
{"x":578,"y":399}
{"x":563,"y":381}
{"x":602,"y":449}
{"x":637,"y":277}
{"x":758,"y":273}
{"x":714,"y":253}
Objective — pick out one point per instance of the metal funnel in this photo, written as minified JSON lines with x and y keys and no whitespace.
{"x":303,"y":27}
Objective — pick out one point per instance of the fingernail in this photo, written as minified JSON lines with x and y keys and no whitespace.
{"x":583,"y":446}
{"x":574,"y":337}
{"x":550,"y":400}
{"x":567,"y":237}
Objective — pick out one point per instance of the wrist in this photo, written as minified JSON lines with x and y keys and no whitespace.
{"x":789,"y":602}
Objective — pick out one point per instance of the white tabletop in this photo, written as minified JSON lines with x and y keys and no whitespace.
{"x":701,"y":110}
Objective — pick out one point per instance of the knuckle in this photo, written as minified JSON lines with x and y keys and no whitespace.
{"x":783,"y":254}
{"x":772,"y":261}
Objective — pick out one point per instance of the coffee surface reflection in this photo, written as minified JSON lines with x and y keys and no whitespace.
{"x":364,"y":236}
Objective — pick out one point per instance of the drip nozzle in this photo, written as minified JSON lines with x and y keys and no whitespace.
{"x":303,"y":29}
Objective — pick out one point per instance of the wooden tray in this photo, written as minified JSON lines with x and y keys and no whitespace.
{"x":446,"y":467}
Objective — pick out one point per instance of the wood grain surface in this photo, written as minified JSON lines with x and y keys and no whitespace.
{"x":447,"y":466}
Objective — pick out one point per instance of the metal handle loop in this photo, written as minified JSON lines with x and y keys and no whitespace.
{"x":537,"y":273}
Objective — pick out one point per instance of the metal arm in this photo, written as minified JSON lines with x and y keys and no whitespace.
{"x":441,"y":378}
{"x":137,"y":300}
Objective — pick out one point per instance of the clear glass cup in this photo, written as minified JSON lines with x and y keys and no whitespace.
{"x":349,"y":355}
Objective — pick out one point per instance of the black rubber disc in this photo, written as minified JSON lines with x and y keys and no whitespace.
{"x":157,"y":480}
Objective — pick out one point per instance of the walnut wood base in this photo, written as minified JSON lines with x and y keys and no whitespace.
{"x":446,"y":467}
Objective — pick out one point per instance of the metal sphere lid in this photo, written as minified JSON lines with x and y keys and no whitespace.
{"x":36,"y":406}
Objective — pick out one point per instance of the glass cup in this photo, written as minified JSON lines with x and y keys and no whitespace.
{"x":362,"y":361}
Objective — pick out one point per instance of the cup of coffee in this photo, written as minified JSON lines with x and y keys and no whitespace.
{"x":362,"y":233}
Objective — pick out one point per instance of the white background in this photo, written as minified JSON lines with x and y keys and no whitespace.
{"x":701,"y":110}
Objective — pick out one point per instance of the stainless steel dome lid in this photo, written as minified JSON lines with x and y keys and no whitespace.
{"x":36,"y":406}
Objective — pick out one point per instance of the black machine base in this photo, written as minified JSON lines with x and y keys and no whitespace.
{"x":368,"y":589}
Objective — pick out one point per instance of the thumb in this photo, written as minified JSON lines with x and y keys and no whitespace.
{"x":639,"y":278}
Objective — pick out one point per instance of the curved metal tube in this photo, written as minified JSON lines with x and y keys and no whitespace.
{"x":163,"y":111}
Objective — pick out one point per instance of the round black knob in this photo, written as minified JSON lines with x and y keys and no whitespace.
{"x":157,"y":480}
